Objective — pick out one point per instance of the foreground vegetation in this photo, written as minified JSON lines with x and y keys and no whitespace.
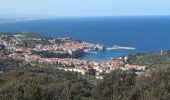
{"x":42,"y":84}
{"x":22,"y":81}
{"x":120,"y":85}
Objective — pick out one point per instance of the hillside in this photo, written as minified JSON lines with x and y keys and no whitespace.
{"x":22,"y":81}
{"x":152,"y":60}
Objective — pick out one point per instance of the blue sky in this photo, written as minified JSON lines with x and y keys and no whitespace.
{"x":69,"y":8}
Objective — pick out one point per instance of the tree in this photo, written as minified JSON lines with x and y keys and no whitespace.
{"x":156,"y":86}
{"x":115,"y":86}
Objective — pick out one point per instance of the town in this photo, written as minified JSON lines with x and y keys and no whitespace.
{"x":62,"y":51}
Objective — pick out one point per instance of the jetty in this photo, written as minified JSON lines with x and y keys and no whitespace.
{"x":120,"y":47}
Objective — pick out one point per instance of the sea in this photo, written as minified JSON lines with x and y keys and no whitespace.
{"x":145,"y":33}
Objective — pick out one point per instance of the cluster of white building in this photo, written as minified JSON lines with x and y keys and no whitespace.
{"x":70,"y":64}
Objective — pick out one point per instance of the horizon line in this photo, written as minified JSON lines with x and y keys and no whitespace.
{"x":54,"y":16}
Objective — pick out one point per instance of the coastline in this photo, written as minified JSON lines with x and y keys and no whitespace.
{"x":142,"y":40}
{"x":23,"y":20}
{"x":66,"y":52}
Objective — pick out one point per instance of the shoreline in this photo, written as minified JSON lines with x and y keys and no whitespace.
{"x":22,"y":20}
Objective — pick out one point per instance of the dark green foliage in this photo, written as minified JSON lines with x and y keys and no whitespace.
{"x":156,"y":86}
{"x":151,"y":60}
{"x":48,"y":54}
{"x":34,"y":81}
{"x":121,"y":85}
{"x":91,"y":71}
{"x":8,"y":62}
{"x":115,"y":86}
{"x":27,"y":83}
{"x":2,"y":48}
{"x":42,"y":84}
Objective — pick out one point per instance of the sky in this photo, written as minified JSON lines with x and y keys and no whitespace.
{"x":71,"y":8}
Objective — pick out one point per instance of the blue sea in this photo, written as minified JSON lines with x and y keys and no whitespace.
{"x":145,"y":33}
